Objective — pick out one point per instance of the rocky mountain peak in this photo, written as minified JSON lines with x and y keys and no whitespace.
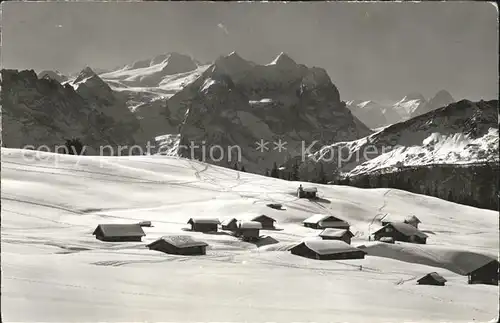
{"x":283,"y":61}
{"x":414,"y":96}
{"x":54,"y":75}
{"x":84,"y":74}
{"x":177,"y":63}
{"x":232,"y":63}
{"x":442,"y":97}
{"x":42,"y":112}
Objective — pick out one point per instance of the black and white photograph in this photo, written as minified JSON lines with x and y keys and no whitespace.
{"x":195,"y":161}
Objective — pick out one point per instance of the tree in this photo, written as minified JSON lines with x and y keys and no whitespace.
{"x":74,"y":146}
{"x":364,"y":181}
{"x":409,"y":186}
{"x":274,"y":171}
{"x":436,"y":192}
{"x":450,"y":196}
{"x":400,"y":182}
{"x":294,"y":175}
{"x":321,"y":179}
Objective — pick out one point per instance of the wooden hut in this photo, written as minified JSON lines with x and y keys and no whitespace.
{"x":266,"y":221}
{"x":412,"y":220}
{"x":119,"y":232}
{"x":276,"y":206}
{"x":485,"y":272}
{"x":400,"y":231}
{"x":307,"y":192}
{"x":145,"y":224}
{"x":204,"y":224}
{"x":249,"y":230}
{"x":432,"y":279}
{"x":337,"y":234}
{"x":229,"y":224}
{"x":323,"y":221}
{"x":327,"y":250}
{"x":179,"y":245}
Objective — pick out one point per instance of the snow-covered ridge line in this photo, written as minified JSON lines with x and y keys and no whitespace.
{"x":464,"y":164}
{"x":379,"y":114}
{"x":461,"y":133}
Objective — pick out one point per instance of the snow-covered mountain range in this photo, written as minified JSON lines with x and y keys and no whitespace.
{"x":460,"y":133}
{"x":374,"y":114}
{"x":227,"y":103}
{"x":380,"y":114}
{"x":174,"y":103}
{"x":41,"y":112}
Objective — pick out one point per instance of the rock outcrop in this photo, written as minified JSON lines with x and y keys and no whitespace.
{"x":42,"y":112}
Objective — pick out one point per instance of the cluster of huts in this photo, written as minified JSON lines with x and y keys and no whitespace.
{"x":179,"y":244}
{"x":332,"y":243}
{"x":485,"y":271}
{"x":247,"y":230}
{"x":335,"y":242}
{"x":184,"y":244}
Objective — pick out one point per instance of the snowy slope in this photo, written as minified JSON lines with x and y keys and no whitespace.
{"x":53,"y":269}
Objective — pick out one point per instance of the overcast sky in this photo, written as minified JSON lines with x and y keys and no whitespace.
{"x":370,"y":50}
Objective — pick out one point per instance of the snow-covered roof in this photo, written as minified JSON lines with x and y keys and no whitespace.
{"x":180,"y":241}
{"x":204,"y":220}
{"x":325,"y":247}
{"x":335,"y":233}
{"x":120,"y":230}
{"x":263,"y":217}
{"x":144,"y":223}
{"x":310,"y":189}
{"x":469,"y":262}
{"x":249,"y":225}
{"x":413,"y":219}
{"x":437,"y":277}
{"x":228,"y":221}
{"x":405,"y":228}
{"x":316,"y":218}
